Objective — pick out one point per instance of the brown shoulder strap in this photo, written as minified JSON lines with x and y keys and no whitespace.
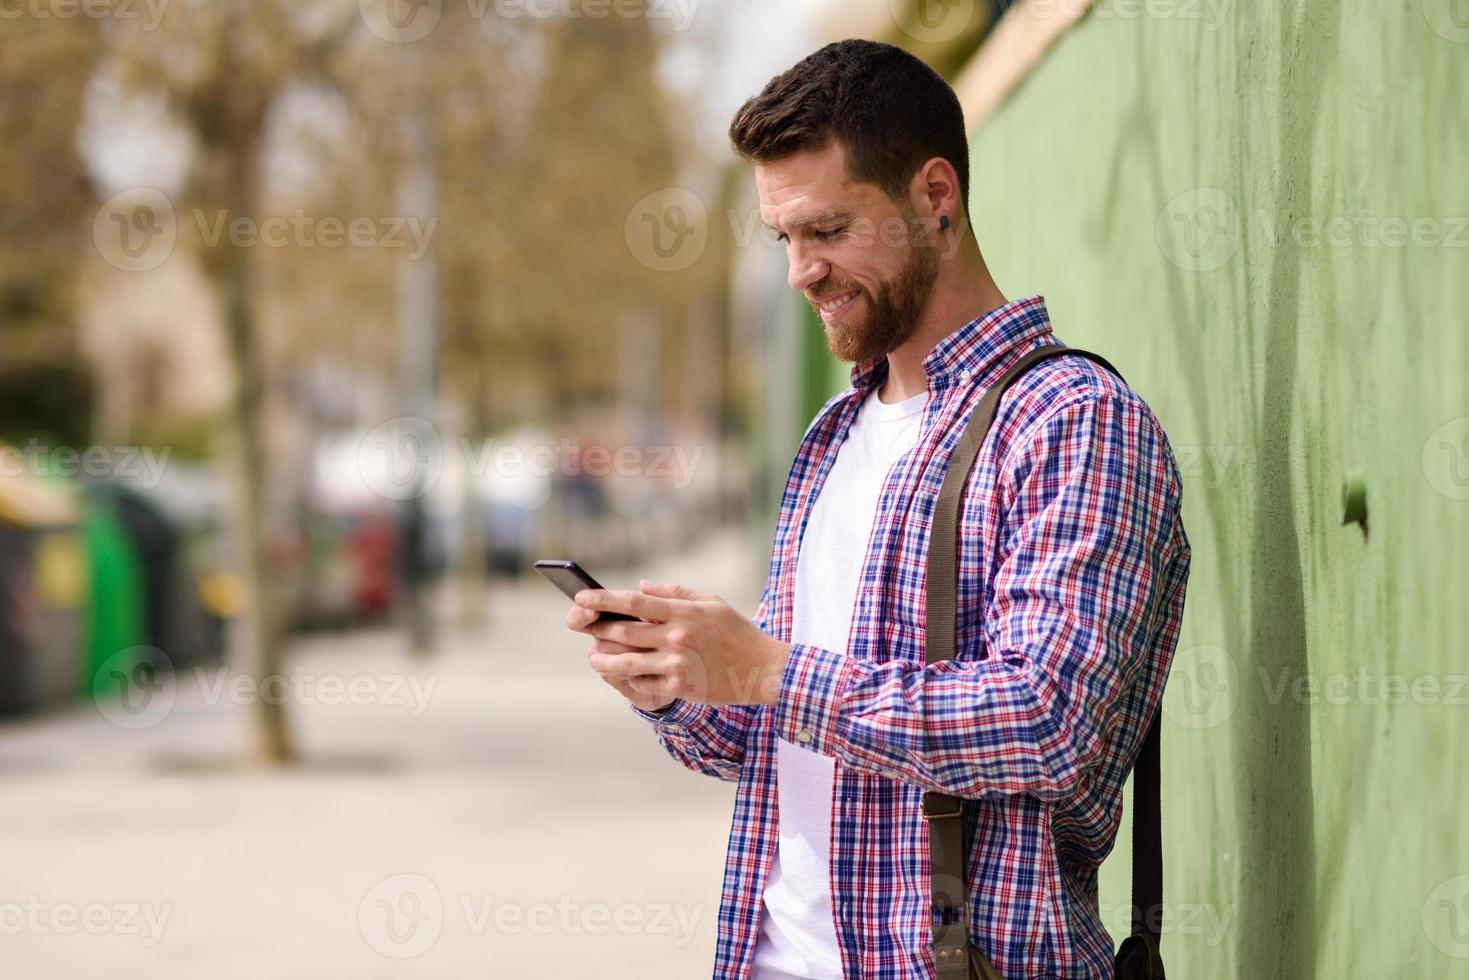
{"x":945,"y":813}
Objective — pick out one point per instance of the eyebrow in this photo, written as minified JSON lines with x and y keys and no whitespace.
{"x":833,"y":216}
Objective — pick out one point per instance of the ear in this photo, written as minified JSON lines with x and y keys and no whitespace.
{"x":935,"y":189}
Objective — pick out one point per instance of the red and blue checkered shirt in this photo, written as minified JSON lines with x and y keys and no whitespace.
{"x":1072,"y":567}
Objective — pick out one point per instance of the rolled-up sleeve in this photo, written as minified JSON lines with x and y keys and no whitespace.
{"x":1090,"y":502}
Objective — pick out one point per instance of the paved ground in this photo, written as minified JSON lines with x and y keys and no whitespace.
{"x":495,"y":811}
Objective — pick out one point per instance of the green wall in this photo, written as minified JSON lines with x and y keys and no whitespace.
{"x":1157,"y":179}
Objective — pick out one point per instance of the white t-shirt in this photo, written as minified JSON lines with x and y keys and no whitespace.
{"x":797,"y":932}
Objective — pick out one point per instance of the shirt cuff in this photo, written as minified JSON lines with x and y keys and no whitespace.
{"x":807,"y":706}
{"x":677,"y":712}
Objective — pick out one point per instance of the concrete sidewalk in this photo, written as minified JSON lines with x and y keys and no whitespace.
{"x":493,"y":811}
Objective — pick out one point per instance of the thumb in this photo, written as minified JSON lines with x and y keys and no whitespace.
{"x":668,"y":591}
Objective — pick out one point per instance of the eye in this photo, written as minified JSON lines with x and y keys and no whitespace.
{"x":829,"y":235}
{"x":782,"y":237}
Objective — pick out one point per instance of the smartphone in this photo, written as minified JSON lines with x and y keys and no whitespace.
{"x":571,"y":578}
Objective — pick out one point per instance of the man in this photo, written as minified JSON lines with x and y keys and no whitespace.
{"x":1072,"y":567}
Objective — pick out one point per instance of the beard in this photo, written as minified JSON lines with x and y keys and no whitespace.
{"x":892,"y":313}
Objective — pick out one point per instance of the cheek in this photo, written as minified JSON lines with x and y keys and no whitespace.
{"x":867,"y":265}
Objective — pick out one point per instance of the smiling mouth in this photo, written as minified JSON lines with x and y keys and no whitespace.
{"x":837,"y":303}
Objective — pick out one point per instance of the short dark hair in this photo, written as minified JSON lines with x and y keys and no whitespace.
{"x":888,"y":109}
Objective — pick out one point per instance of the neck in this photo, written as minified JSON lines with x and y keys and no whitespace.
{"x":963,"y":291}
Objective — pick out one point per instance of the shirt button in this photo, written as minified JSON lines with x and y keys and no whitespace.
{"x":964,"y":375}
{"x":804,"y":735}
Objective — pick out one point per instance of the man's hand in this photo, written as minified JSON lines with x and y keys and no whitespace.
{"x":690,"y":645}
{"x":635,"y":689}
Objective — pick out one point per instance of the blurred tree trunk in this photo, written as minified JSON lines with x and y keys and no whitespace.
{"x":229,"y":119}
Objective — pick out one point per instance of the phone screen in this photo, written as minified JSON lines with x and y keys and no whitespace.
{"x":571,"y":578}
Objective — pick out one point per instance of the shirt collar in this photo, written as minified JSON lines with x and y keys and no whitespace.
{"x":973,"y":347}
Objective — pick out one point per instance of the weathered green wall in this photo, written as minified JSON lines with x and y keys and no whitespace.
{"x":1157,"y":180}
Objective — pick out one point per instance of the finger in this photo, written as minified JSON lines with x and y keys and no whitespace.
{"x":610,"y":646}
{"x":579,"y":619}
{"x":648,"y":636}
{"x":647,"y":608}
{"x":624,"y":666}
{"x":669,"y":591}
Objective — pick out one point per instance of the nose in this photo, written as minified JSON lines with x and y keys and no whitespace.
{"x":806,"y":266}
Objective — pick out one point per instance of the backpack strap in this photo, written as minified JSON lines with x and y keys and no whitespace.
{"x":945,"y":813}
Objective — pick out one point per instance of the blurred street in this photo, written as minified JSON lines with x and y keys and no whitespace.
{"x":446,"y":819}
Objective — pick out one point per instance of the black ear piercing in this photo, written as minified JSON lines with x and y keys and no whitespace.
{"x":943,"y":222}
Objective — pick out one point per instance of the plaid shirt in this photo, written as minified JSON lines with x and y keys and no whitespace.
{"x":1072,"y":568}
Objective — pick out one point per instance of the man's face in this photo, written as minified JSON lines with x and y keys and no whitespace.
{"x":859,"y":257}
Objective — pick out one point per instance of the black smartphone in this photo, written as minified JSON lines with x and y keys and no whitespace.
{"x":571,"y":578}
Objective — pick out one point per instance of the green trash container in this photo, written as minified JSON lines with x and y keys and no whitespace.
{"x":114,"y":614}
